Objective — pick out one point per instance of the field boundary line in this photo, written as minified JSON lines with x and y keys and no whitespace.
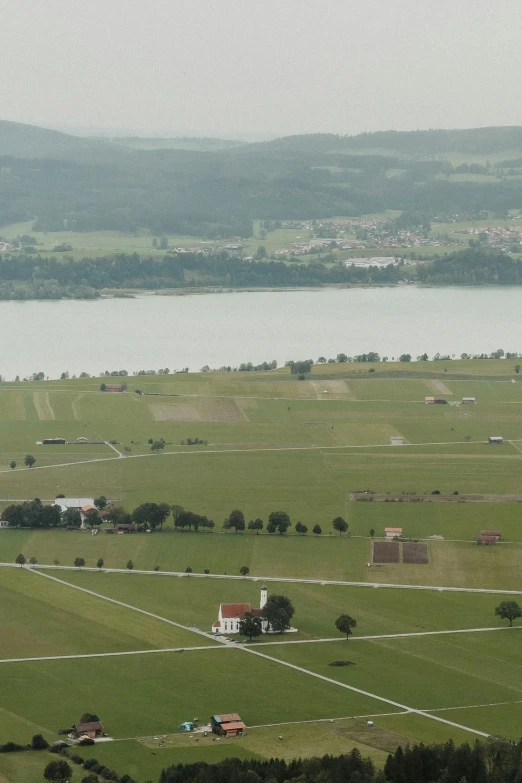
{"x":402,"y":707}
{"x":114,"y":654}
{"x":476,"y":706}
{"x":126,"y":606}
{"x":376,"y":637}
{"x":256,"y":450}
{"x":37,"y":567}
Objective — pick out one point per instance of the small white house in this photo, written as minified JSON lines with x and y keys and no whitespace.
{"x":392,"y":532}
{"x":469,"y":400}
{"x":4,"y":523}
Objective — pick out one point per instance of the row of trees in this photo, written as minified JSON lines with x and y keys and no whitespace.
{"x":494,"y":761}
{"x":150,"y":516}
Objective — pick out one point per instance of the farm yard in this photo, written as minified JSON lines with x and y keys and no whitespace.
{"x":136,"y":645}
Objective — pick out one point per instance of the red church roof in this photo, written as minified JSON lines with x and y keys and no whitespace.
{"x":229,"y":611}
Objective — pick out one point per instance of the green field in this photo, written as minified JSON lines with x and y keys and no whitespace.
{"x":274,"y":443}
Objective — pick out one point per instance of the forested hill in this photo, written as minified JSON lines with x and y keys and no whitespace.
{"x":472,"y":267}
{"x":427,"y":143}
{"x":63,"y":182}
{"x":18,"y":140}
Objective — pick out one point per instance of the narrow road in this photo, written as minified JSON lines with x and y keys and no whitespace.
{"x":402,"y":707}
{"x":127,"y":606}
{"x":73,"y":657}
{"x":251,"y":651}
{"x":286,"y":579}
{"x":245,"y":451}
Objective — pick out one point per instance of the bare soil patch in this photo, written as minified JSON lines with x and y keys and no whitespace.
{"x":386,"y":552}
{"x":413,"y":552}
{"x":220,"y":409}
{"x":43,"y":406}
{"x":334,"y":390}
{"x":438,"y":386}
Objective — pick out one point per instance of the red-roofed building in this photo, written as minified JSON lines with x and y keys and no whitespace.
{"x":230,"y":615}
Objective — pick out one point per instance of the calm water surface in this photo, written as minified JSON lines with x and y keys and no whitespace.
{"x":228,"y":328}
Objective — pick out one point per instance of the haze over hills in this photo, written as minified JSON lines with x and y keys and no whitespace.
{"x":210,"y":187}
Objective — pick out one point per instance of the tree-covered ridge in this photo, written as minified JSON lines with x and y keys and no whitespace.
{"x":492,"y":762}
{"x":33,"y":276}
{"x":474,"y":266}
{"x":64,"y":182}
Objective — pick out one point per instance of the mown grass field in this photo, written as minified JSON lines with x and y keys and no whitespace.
{"x":274,"y":443}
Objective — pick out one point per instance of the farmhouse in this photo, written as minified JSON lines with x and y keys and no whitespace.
{"x":230,"y":615}
{"x":392,"y":532}
{"x":93,"y":729}
{"x":496,"y":534}
{"x":227,"y":725}
{"x":80,"y":504}
{"x":468,"y":400}
{"x":111,"y":387}
{"x":495,"y":439}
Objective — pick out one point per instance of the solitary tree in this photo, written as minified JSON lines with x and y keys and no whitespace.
{"x":317,"y":530}
{"x":130,"y":565}
{"x":79,"y":562}
{"x":58,"y":772}
{"x":93,"y":518}
{"x":250,"y":626}
{"x":20,"y":560}
{"x":114,"y":514}
{"x":99,"y":564}
{"x":244,"y":570}
{"x":29,"y":461}
{"x":39,"y":743}
{"x":33,"y":561}
{"x":157,"y":445}
{"x":345,"y":623}
{"x":236,"y":519}
{"x":372,"y":532}
{"x":188,"y":570}
{"x":340,"y":524}
{"x":12,"y":465}
{"x":255,"y":524}
{"x":280,"y":520}
{"x":509,"y":610}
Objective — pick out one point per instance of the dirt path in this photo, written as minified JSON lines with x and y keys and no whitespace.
{"x":43,"y":406}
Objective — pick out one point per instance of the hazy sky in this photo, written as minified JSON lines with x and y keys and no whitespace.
{"x":243,"y":67}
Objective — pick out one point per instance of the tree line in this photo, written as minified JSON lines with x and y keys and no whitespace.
{"x":150,"y":516}
{"x":495,"y":761}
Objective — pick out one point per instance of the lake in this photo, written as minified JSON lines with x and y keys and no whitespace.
{"x":150,"y":332}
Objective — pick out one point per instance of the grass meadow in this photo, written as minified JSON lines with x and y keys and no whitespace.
{"x":274,"y":443}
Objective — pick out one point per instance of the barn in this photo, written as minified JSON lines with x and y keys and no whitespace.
{"x":392,"y":532}
{"x":229,"y":725}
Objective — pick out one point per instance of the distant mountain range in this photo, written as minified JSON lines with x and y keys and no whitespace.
{"x":215,"y":187}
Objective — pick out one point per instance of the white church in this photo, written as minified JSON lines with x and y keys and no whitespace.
{"x":230,"y":615}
